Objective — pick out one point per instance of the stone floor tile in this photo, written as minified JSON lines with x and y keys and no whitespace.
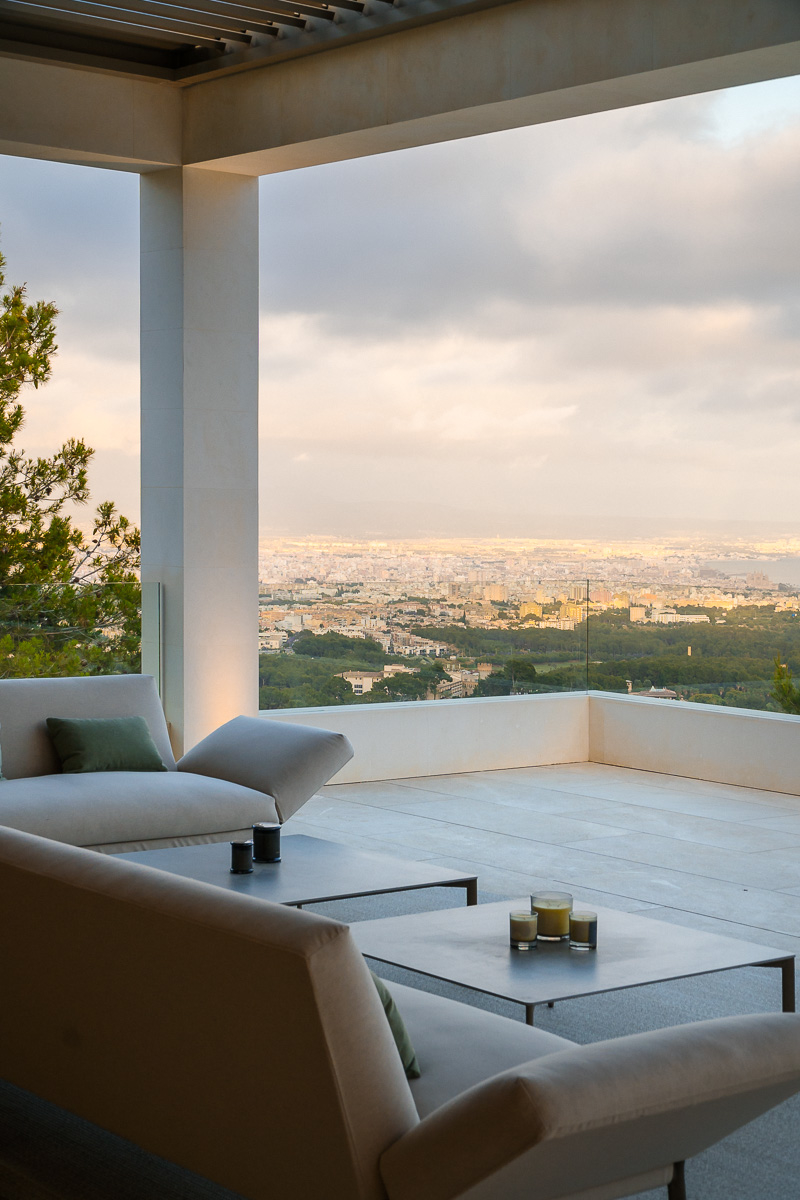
{"x":771,"y":869}
{"x":746,"y":836}
{"x":499,"y":818}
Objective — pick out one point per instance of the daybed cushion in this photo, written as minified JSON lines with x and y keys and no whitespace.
{"x":458,"y":1046}
{"x":131,"y":810}
{"x":26,"y":703}
{"x":288,"y":762}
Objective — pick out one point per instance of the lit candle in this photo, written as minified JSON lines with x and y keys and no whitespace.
{"x":583,"y":930}
{"x":523,"y":927}
{"x":553,"y":909}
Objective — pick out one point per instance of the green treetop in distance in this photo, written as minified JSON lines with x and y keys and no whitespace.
{"x":784,"y":690}
{"x":69,"y":602}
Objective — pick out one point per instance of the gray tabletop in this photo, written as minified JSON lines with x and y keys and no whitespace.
{"x":310,"y":871}
{"x":471,"y":947}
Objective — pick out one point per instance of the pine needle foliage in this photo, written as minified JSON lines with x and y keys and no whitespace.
{"x":69,"y":601}
{"x":784,"y":690}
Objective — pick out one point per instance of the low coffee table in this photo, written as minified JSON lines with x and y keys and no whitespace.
{"x":470,"y":947}
{"x":311,"y":871}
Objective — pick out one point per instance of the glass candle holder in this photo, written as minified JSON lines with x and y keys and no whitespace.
{"x":266,"y":842}
{"x":241,"y":858}
{"x":523,"y":928}
{"x":553,"y":909}
{"x":583,"y":930}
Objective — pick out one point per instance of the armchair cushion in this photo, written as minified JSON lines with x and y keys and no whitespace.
{"x":592,"y":1115}
{"x":459,"y":1046}
{"x":287,"y":762}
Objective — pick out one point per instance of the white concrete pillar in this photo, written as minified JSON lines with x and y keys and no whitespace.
{"x":199,"y":356}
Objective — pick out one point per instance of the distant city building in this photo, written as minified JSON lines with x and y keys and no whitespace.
{"x":268,"y":616}
{"x":638,"y":613}
{"x":272,"y":641}
{"x":292,"y":621}
{"x":556,"y":623}
{"x":666,"y":616}
{"x":757,"y":579}
{"x":529,"y":608}
{"x":361,"y":681}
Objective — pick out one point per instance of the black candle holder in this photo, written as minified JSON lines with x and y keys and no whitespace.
{"x":266,"y":842}
{"x":242,"y":858}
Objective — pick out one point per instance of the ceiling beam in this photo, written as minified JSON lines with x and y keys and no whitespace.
{"x":424,"y":81}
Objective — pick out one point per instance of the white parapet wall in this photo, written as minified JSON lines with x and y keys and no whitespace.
{"x":448,"y":737}
{"x":701,"y":741}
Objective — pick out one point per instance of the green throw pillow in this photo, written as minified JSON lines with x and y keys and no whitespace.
{"x":104,"y":744}
{"x":399,"y":1031}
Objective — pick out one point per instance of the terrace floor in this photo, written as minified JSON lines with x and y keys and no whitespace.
{"x":713,"y":856}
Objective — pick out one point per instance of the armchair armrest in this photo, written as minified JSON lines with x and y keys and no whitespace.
{"x":287,"y":762}
{"x":594,"y":1115}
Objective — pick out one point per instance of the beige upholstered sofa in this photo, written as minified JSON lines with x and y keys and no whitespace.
{"x":248,"y":770}
{"x":246,"y":1042}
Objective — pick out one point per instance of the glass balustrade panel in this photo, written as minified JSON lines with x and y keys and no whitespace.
{"x":70,"y":629}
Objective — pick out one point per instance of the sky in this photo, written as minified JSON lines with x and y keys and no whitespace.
{"x":570,"y":329}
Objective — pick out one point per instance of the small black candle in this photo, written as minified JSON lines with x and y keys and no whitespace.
{"x":266,"y":842}
{"x":241,"y":858}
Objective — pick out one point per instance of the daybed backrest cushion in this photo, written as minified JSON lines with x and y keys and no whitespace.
{"x":26,"y":703}
{"x":241,"y":1039}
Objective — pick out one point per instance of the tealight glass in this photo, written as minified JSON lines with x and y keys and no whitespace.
{"x":583,"y":930}
{"x":523,"y":928}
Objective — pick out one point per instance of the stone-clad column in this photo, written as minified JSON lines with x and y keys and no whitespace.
{"x":199,"y":357}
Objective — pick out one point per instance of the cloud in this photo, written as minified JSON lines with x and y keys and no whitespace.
{"x":640,"y":205}
{"x":596,"y":316}
{"x":599,"y":315}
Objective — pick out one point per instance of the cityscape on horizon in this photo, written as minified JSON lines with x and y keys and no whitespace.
{"x":341,"y":620}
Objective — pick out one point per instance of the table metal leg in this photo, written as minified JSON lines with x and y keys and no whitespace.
{"x":472,"y":892}
{"x":786,"y":966}
{"x":787,"y":985}
{"x":676,"y":1189}
{"x":529,"y":1014}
